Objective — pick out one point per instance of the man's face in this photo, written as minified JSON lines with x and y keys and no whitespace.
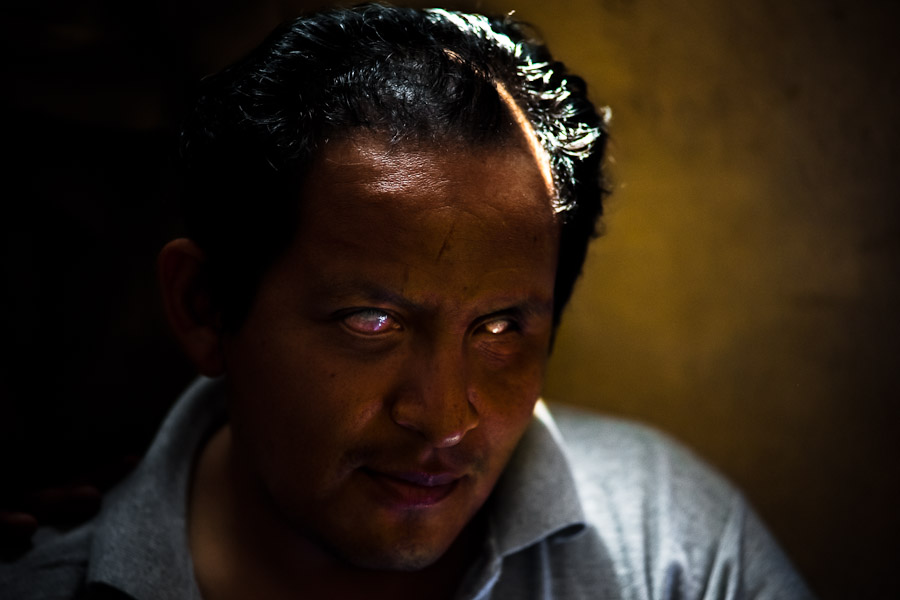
{"x":392,"y":358}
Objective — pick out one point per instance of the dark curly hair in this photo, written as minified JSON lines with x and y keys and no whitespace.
{"x":430,"y":76}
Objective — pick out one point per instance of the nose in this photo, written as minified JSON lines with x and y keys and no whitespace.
{"x":436,"y":400}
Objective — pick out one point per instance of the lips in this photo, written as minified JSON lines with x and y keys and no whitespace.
{"x":411,"y":489}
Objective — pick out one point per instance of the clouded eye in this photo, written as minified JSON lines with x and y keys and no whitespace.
{"x":370,"y":322}
{"x":499,"y":326}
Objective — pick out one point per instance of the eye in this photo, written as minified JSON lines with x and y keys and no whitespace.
{"x":370,"y":321}
{"x":499,"y":326}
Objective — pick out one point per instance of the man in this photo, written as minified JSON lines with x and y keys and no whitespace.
{"x":387,"y":210}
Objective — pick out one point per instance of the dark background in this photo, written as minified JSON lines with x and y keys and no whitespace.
{"x":744,"y":298}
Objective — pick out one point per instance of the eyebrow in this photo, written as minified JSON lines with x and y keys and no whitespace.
{"x":342,"y":288}
{"x":530,"y":305}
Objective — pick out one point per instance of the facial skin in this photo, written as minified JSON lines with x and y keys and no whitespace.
{"x":393,"y":356}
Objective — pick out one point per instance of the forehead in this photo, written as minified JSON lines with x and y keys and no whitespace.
{"x":412,"y":218}
{"x":364,"y":170}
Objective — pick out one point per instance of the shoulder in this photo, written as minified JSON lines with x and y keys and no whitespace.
{"x":617,"y":462}
{"x":54,"y":568}
{"x":641,"y":488}
{"x":666,"y":516}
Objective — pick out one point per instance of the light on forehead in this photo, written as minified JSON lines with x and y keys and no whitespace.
{"x":534,"y":144}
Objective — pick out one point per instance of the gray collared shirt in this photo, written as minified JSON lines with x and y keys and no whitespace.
{"x":589,"y":507}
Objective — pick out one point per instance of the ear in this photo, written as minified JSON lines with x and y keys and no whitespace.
{"x":183,"y":277}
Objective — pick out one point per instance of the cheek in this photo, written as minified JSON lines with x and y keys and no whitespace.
{"x":516,"y":370}
{"x":505,"y":399}
{"x":293,"y":373}
{"x":296,"y":411}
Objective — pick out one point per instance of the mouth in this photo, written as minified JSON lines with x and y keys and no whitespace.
{"x":411,"y":489}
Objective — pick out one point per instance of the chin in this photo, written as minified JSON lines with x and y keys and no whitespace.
{"x":401,"y":559}
{"x":410,"y":544}
{"x":365,"y":534}
{"x":403,"y":556}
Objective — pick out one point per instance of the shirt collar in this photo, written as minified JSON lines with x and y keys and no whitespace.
{"x":536,"y":497}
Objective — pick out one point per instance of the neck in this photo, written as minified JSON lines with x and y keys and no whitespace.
{"x":243,"y":547}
